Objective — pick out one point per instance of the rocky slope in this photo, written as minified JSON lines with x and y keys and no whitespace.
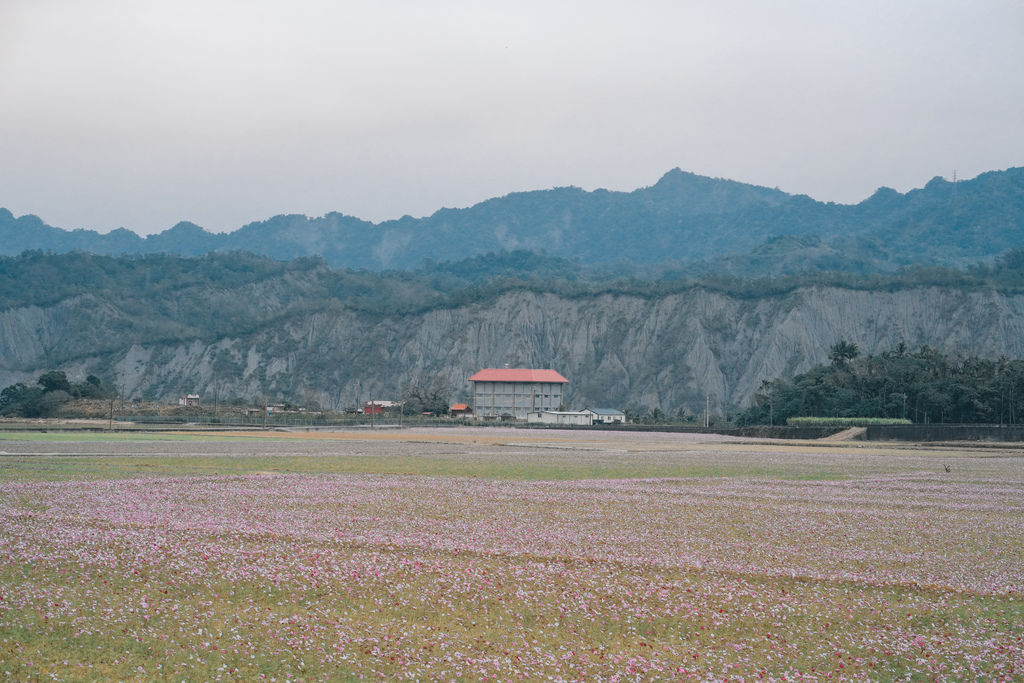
{"x":617,"y":350}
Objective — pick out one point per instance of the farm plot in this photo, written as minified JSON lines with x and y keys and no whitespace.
{"x":319,"y":570}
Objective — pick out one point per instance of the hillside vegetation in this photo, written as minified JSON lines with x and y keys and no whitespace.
{"x":238,"y":325}
{"x":227,"y":293}
{"x":923,"y":386}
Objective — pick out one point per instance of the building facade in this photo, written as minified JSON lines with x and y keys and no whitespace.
{"x":606,"y":416}
{"x":511,"y":393}
{"x":573,"y":418}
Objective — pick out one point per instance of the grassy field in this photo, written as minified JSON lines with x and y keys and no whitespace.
{"x":497,"y":553}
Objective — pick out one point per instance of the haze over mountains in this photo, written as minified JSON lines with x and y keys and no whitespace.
{"x":621,"y":292}
{"x":707,"y":224}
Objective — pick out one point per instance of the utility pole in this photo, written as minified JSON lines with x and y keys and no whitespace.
{"x":707,"y":411}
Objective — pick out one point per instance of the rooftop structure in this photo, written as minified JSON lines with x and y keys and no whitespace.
{"x":518,"y":375}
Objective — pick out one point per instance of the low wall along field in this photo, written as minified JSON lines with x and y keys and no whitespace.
{"x":497,"y":553}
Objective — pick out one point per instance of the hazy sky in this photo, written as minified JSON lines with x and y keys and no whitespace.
{"x":142,"y":113}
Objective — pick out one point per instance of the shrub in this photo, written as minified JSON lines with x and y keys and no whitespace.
{"x":844,"y":421}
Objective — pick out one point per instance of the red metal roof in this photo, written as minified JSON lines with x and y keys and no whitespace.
{"x":518,"y":375}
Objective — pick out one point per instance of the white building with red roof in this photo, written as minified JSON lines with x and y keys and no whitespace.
{"x":511,"y":393}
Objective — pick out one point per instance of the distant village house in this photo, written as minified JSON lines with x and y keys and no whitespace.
{"x":606,"y":416}
{"x":188,"y":400}
{"x":378,"y":407}
{"x":583,"y":418}
{"x":461,"y":410}
{"x":579,"y":418}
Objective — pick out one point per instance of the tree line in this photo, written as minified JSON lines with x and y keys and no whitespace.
{"x":923,"y":386}
{"x":152,"y":289}
{"x":51,"y":391}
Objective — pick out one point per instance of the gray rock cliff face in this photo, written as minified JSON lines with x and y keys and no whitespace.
{"x":667,"y":352}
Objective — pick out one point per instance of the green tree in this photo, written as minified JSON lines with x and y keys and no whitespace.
{"x":429,"y":395}
{"x":842,"y":352}
{"x":656,"y":416}
{"x":55,"y":380}
{"x":924,"y":386}
{"x":93,"y":387}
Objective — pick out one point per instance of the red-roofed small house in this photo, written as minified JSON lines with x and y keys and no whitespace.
{"x":461,"y":410}
{"x":514,"y":392}
{"x":378,"y":407}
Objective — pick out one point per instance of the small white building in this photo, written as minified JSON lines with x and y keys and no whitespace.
{"x":560,"y":417}
{"x":606,"y":416}
{"x":188,"y":400}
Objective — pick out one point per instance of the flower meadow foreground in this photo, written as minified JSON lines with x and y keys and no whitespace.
{"x":348,"y":576}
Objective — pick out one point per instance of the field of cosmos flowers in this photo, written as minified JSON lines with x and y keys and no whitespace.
{"x":507,"y":554}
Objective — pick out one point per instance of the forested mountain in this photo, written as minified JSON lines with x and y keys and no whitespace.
{"x":683,"y":223}
{"x":648,"y":299}
{"x":238,"y":325}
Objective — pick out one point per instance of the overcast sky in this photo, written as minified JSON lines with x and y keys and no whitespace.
{"x":143,"y":113}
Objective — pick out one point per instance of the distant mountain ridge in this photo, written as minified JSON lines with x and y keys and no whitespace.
{"x":722,"y":225}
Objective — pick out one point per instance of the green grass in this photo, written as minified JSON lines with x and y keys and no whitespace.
{"x":82,"y":456}
{"x":844,"y":421}
{"x":84,"y":467}
{"x":121,"y":437}
{"x":93,"y":596}
{"x":245,"y":623}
